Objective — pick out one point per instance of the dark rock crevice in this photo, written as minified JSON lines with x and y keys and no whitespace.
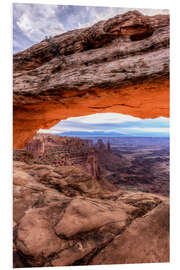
{"x":87,"y":259}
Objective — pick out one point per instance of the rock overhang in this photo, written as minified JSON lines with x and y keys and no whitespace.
{"x":119,"y":65}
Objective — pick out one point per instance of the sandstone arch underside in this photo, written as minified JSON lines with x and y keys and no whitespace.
{"x":119,"y":65}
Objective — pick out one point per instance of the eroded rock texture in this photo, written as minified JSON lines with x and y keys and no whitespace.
{"x":62,"y":216}
{"x":61,"y":151}
{"x":119,"y":65}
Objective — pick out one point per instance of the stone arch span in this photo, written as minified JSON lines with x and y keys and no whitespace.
{"x":61,"y":77}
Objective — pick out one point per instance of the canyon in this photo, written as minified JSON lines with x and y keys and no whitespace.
{"x":64,"y":151}
{"x":130,"y":163}
{"x":137,"y":163}
{"x":64,"y":185}
{"x":66,"y":211}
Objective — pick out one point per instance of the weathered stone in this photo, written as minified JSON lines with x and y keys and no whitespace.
{"x":36,"y":238}
{"x":54,"y":229}
{"x":86,"y":215}
{"x":119,"y":65}
{"x":65,"y":153}
{"x":145,"y":241}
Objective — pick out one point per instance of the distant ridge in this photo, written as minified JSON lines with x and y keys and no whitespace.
{"x":109,"y":134}
{"x":92,"y":134}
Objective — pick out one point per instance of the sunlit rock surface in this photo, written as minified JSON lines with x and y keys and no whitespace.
{"x":119,"y":65}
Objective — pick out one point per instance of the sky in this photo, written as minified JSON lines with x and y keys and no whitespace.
{"x":33,"y":22}
{"x":106,"y":123}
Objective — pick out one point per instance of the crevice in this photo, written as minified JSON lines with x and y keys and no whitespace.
{"x":89,"y":257}
{"x":105,"y":107}
{"x":20,"y":260}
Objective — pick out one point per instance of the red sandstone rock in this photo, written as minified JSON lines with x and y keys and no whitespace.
{"x":35,"y":147}
{"x":145,"y":241}
{"x":100,"y":145}
{"x":119,"y":65}
{"x":81,"y":225}
{"x":62,"y":151}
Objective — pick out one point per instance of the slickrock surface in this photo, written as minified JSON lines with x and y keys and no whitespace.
{"x":119,"y":65}
{"x":64,"y":217}
{"x":144,"y":241}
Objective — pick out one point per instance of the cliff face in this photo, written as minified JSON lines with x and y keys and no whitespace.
{"x":36,"y":146}
{"x":61,"y":151}
{"x":119,"y":65}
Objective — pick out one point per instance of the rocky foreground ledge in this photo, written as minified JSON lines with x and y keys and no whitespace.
{"x":63,"y":216}
{"x":119,"y":65}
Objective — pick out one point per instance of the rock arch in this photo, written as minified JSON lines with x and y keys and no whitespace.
{"x":119,"y":65}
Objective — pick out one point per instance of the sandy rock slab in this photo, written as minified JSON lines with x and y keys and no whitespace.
{"x":54,"y":229}
{"x":146,"y":240}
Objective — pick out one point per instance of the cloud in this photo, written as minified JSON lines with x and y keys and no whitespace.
{"x":49,"y":131}
{"x":32,"y":22}
{"x":113,"y":122}
{"x":102,"y":118}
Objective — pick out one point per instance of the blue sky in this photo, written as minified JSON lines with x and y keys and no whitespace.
{"x":33,"y":22}
{"x":113,"y":122}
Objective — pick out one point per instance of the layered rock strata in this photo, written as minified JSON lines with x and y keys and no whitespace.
{"x":119,"y":65}
{"x":61,"y":151}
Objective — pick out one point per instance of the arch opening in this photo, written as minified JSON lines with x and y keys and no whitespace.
{"x":110,"y":125}
{"x":120,"y":149}
{"x":146,"y":99}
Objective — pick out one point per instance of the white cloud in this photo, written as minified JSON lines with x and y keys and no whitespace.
{"x":97,"y":15}
{"x":64,"y":129}
{"x":152,"y":12}
{"x":111,"y":122}
{"x":101,"y":118}
{"x":38,"y":21}
{"x":48,"y":131}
